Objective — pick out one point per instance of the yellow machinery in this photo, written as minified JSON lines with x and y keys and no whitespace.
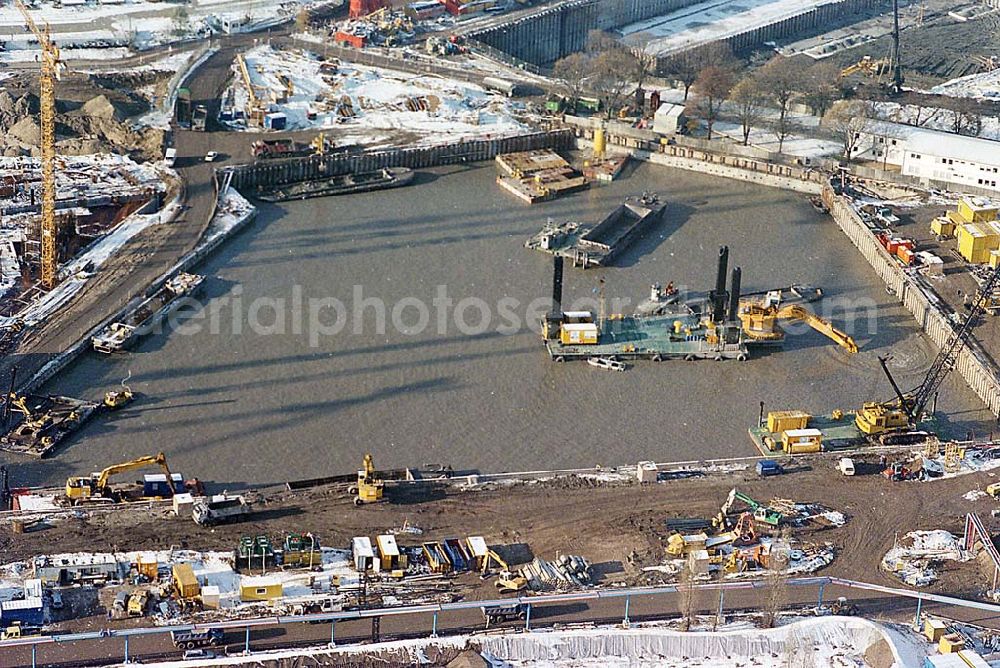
{"x":115,"y":399}
{"x":50,"y":70}
{"x":873,"y":67}
{"x":95,"y":486}
{"x":761,"y":323}
{"x":137,"y":603}
{"x":370,"y":487}
{"x":17,"y":630}
{"x":254,"y":109}
{"x":509,"y":583}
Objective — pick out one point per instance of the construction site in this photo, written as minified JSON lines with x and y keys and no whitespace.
{"x":309,"y":317}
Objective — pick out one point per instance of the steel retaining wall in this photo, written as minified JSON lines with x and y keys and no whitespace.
{"x":973,"y":363}
{"x":276,"y":172}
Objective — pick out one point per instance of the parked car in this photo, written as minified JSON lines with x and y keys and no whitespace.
{"x":199,"y":654}
{"x":846,"y":466}
{"x":766,"y":467}
{"x":211,"y":156}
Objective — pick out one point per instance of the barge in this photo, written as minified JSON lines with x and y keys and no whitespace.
{"x":118,"y":335}
{"x":538,"y":176}
{"x":599,"y":245}
{"x":46,"y":421}
{"x":346,"y":184}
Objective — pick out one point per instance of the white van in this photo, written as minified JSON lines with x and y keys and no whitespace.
{"x":846,"y":466}
{"x":170,"y":157}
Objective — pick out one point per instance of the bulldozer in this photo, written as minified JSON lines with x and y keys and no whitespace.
{"x":509,"y":583}
{"x":370,"y":487}
{"x":760,"y":323}
{"x":94,"y":488}
{"x":872,"y":67}
{"x":115,"y":399}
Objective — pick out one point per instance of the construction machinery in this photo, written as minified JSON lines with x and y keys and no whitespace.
{"x":17,"y":630}
{"x":255,"y":109}
{"x":892,"y":422}
{"x":137,"y":603}
{"x":370,"y":486}
{"x":760,"y":323}
{"x":872,"y":67}
{"x":51,"y":69}
{"x":509,"y":583}
{"x":115,"y":399}
{"x":47,"y":421}
{"x":219,"y":508}
{"x":761,"y":513}
{"x":94,"y":487}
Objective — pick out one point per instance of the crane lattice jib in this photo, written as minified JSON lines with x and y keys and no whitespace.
{"x":47,"y":101}
{"x":948,"y":356}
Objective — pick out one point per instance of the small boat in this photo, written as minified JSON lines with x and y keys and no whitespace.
{"x":817,"y":203}
{"x":345,"y":184}
{"x":606,"y":363}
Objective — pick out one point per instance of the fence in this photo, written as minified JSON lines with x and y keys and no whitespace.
{"x":315,"y":166}
{"x":588,"y":598}
{"x":973,"y":363}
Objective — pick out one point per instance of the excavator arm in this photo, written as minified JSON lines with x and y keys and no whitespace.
{"x":159,"y":460}
{"x":824,"y":327}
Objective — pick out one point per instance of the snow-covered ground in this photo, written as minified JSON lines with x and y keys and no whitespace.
{"x":795,"y":144}
{"x":932,"y":118}
{"x":134,"y":24}
{"x":984,"y":85}
{"x":913,"y":557}
{"x":442,"y":109}
{"x":835,"y":642}
{"x":710,"y":21}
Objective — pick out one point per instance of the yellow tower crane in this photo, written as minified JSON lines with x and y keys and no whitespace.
{"x":50,"y":71}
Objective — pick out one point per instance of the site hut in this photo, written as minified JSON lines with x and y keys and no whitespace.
{"x":84,"y":568}
{"x":185,"y":583}
{"x":961,"y":659}
{"x":669,"y":119}
{"x":800,"y":441}
{"x":260,"y":588}
{"x":154,"y":485}
{"x":934,"y":157}
{"x":364,"y":555}
{"x":477,"y":550}
{"x":389,"y":558}
{"x":147,"y":567}
{"x":211,"y":597}
{"x":27,"y":611}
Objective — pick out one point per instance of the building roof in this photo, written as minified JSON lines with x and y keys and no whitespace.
{"x":669,"y":109}
{"x":362,"y":546}
{"x":30,"y":603}
{"x":957,"y":147}
{"x":387,"y":545}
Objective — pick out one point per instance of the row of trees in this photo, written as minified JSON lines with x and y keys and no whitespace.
{"x":773,"y":86}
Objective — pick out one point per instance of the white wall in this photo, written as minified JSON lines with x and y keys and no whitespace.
{"x":959,"y":172}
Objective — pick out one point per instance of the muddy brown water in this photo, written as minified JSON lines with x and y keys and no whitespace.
{"x":238,"y":408}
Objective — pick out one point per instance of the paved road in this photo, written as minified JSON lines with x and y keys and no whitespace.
{"x":607,"y":611}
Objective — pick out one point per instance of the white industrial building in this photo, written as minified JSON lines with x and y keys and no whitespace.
{"x":932,"y":155}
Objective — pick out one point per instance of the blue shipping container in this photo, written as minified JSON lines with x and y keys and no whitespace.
{"x":28,"y":611}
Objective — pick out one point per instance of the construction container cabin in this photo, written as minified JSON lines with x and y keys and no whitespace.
{"x":478,"y":551}
{"x":260,"y":588}
{"x":364,"y":555}
{"x":389,"y":558}
{"x":27,"y":611}
{"x":91,"y":568}
{"x":185,"y":583}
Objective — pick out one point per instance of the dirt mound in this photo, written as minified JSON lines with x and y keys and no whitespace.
{"x":101,"y":107}
{"x":26,"y":130}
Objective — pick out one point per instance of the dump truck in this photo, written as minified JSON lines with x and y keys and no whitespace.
{"x":196,"y":638}
{"x":494,"y":614}
{"x":219,"y":508}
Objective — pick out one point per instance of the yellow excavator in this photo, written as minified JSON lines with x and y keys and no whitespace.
{"x":94,"y":487}
{"x":872,"y":67}
{"x":760,"y":323}
{"x":370,"y":487}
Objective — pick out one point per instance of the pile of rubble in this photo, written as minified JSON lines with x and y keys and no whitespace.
{"x":914,"y":556}
{"x":98,"y":126}
{"x":567,"y":572}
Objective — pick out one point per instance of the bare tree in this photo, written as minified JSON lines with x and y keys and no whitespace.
{"x":686,"y":67}
{"x":848,"y":120}
{"x":775,"y":596}
{"x":687,"y":598}
{"x":821,"y":87}
{"x":711,"y":88}
{"x":571,"y":72}
{"x":781,"y":78}
{"x":611,"y":78}
{"x":965,"y":116}
{"x":749,"y":100}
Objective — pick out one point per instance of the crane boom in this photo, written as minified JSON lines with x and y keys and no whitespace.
{"x":948,"y":356}
{"x":50,"y":69}
{"x":151,"y":460}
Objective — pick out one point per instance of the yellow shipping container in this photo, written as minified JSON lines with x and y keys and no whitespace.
{"x":953,"y":642}
{"x":578,"y":333}
{"x":975,"y":241}
{"x":185,"y":582}
{"x":799,"y":441}
{"x":943,"y":227}
{"x":977,"y":209}
{"x":956,"y":217}
{"x":779,"y":421}
{"x":260,"y":589}
{"x":934,"y":629}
